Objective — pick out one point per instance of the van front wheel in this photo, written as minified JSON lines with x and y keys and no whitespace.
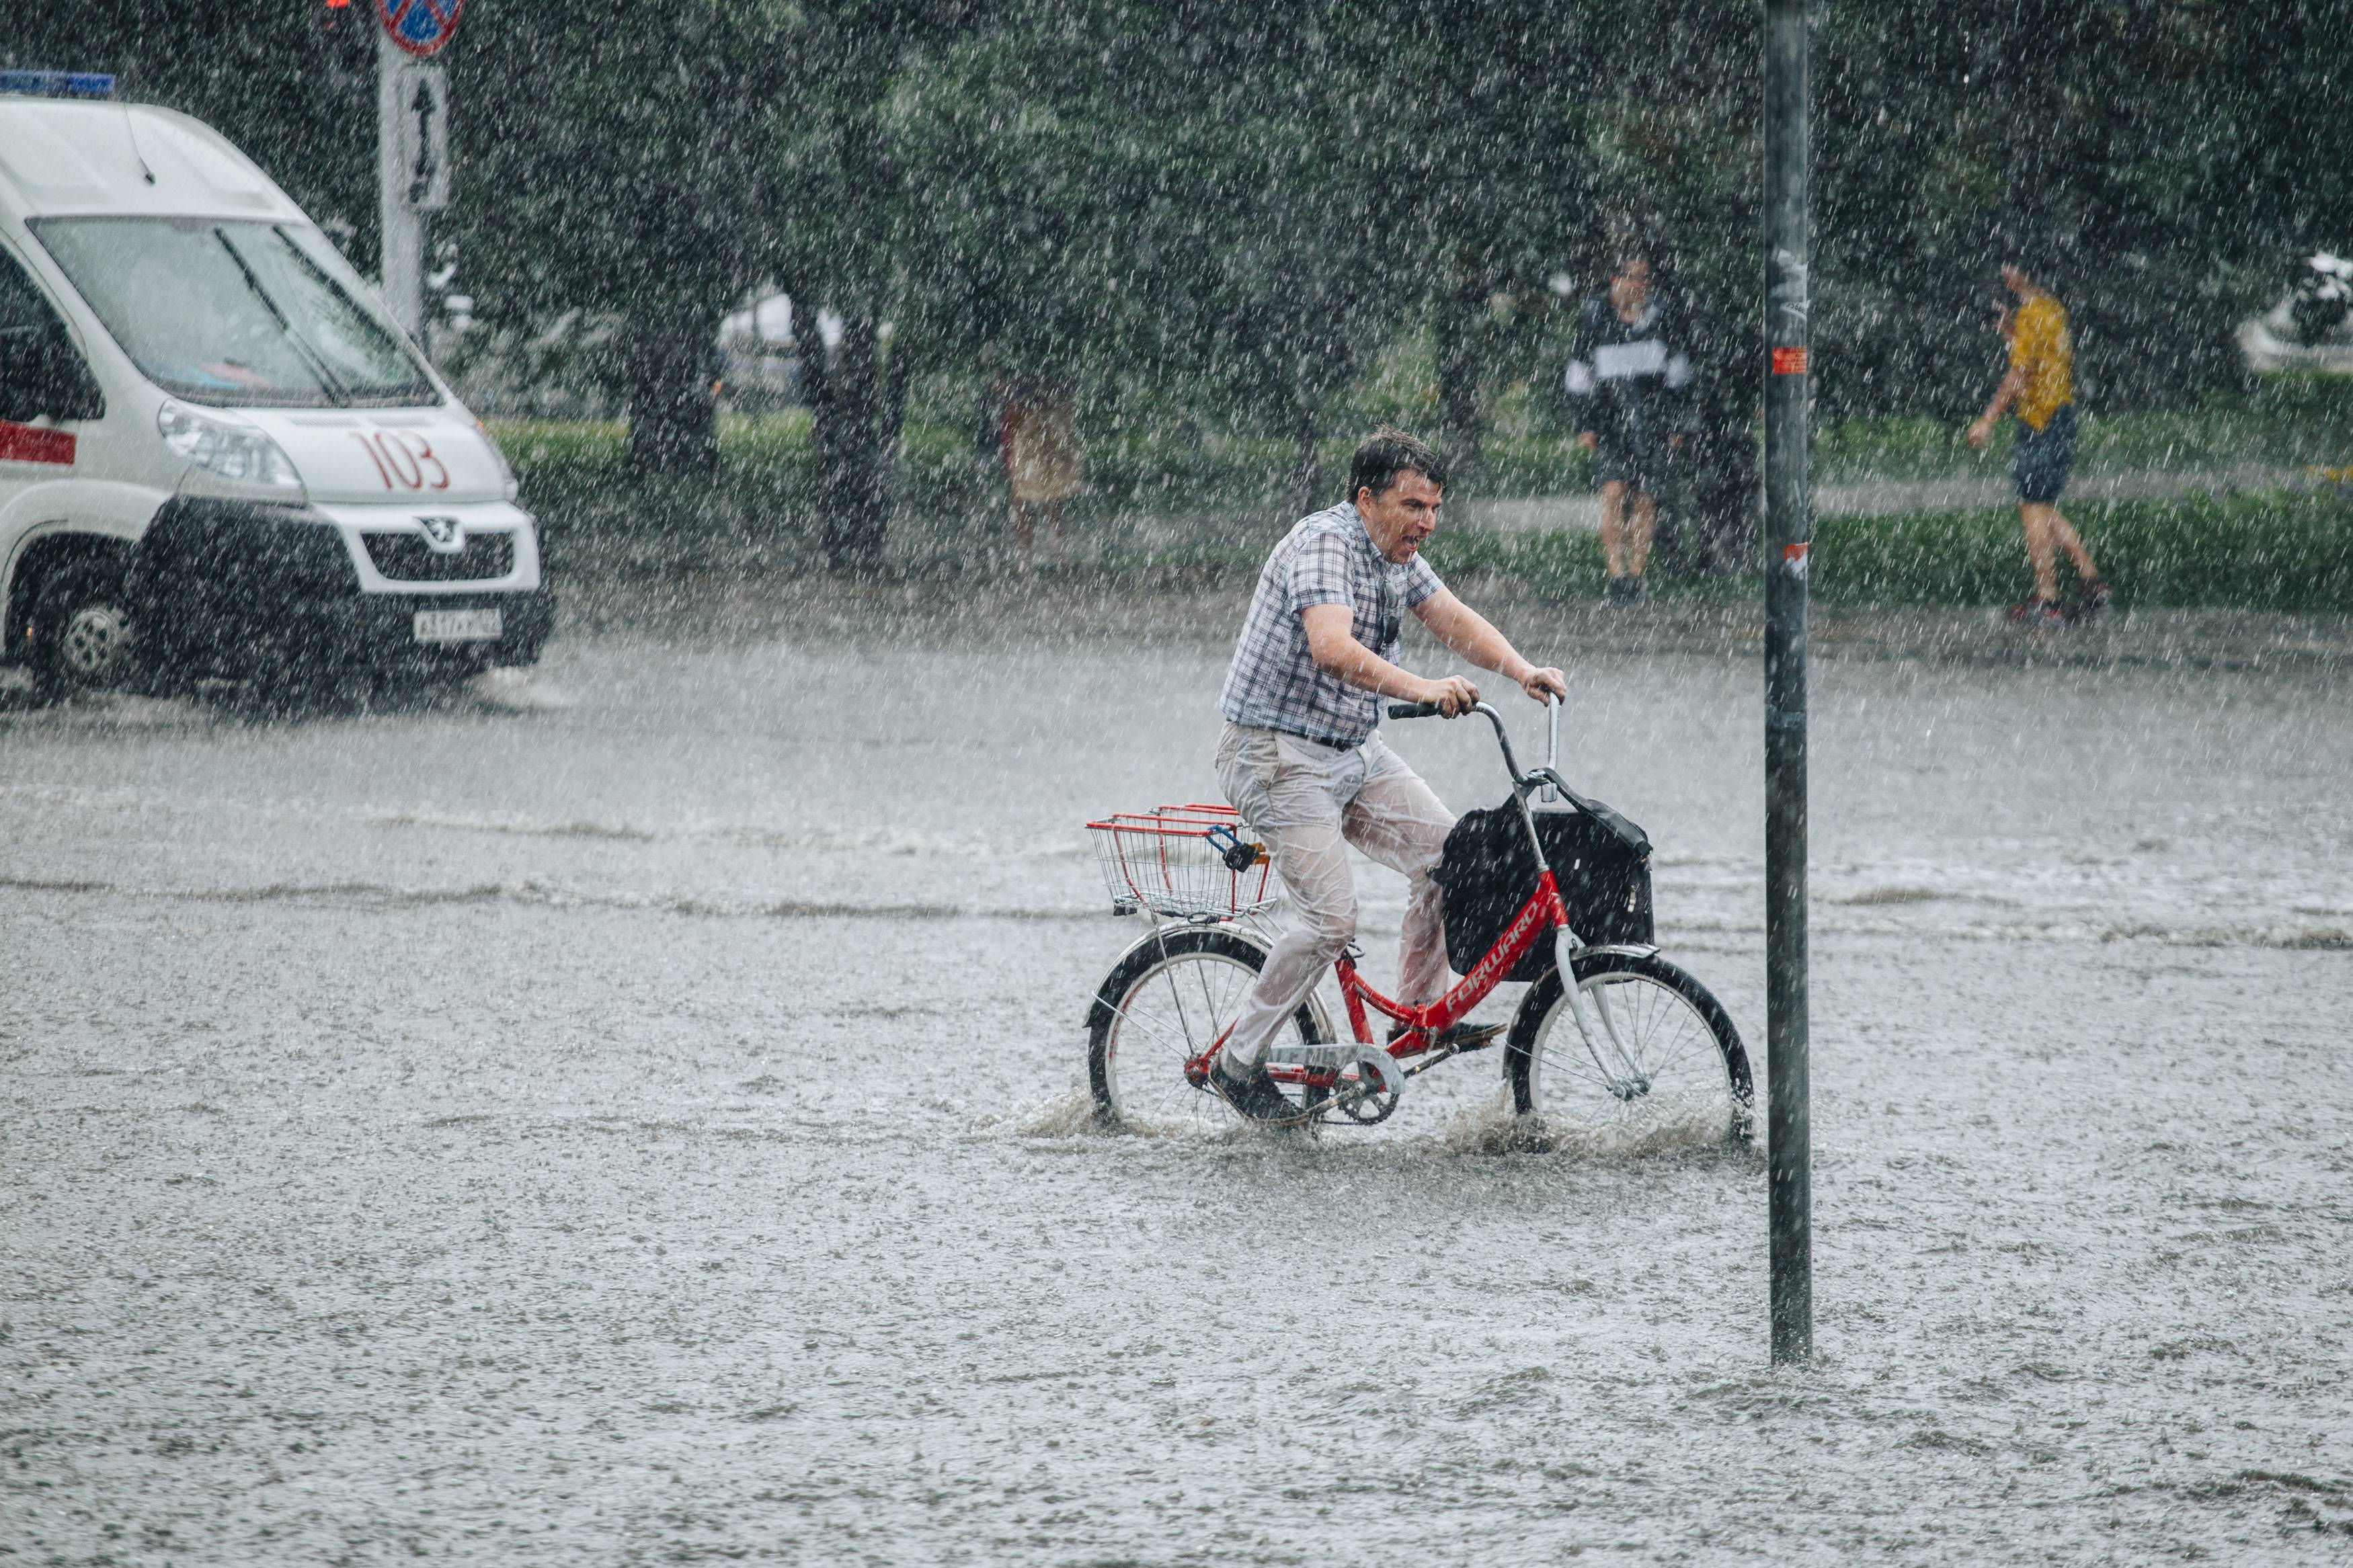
{"x":81,"y":633}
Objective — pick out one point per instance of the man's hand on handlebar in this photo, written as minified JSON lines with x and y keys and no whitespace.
{"x":1540,"y":684}
{"x":1452,"y":697}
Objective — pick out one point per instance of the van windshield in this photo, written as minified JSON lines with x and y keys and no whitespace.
{"x":235,"y":313}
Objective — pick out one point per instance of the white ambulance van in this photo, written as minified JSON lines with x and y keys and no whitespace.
{"x":218,"y":456}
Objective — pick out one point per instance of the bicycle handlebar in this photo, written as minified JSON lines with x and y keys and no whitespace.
{"x":1431,"y":710}
{"x":1503,"y":736}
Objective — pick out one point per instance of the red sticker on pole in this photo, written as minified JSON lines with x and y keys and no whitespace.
{"x":1794,"y":556}
{"x":1789,"y":362}
{"x":419,"y":26}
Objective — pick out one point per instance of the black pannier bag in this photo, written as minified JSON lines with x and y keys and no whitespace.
{"x":1601,"y":861}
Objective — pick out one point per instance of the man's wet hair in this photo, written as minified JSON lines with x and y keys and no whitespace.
{"x":1386,"y":454}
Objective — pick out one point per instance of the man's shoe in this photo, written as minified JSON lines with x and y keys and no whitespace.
{"x":2037,"y":612}
{"x":1622,"y":591}
{"x":1255,"y":1098}
{"x":1457,"y":1037}
{"x":2091,"y":598}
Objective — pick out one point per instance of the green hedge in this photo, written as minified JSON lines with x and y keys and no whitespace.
{"x":768,"y":459}
{"x":2270,"y":552}
{"x":2293,"y":420}
{"x":2275,"y":550}
{"x":571,"y":471}
{"x":2267,"y":552}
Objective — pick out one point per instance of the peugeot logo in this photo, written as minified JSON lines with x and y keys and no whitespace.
{"x":446,"y":535}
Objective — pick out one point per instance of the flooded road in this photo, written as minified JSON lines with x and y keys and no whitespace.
{"x":636,"y":1114}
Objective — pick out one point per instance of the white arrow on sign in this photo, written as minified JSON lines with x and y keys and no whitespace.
{"x":421,"y":104}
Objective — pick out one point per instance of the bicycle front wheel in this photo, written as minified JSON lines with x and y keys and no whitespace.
{"x":1659,"y":1063}
{"x":1168,"y":999}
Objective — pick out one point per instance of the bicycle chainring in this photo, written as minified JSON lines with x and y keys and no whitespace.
{"x":1370,"y":1087}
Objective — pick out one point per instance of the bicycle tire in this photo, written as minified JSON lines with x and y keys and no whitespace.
{"x":1677,"y":1069}
{"x":1137,"y":1044}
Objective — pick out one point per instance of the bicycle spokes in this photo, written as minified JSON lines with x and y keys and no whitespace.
{"x":1630,"y":1083}
{"x":1624,"y":1080}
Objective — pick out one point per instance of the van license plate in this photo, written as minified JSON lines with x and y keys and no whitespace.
{"x":460,"y":625}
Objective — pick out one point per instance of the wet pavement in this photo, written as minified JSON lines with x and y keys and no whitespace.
{"x":634,"y":1113}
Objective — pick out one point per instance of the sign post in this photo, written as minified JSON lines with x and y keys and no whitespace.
{"x":412,"y":144}
{"x":1789,"y":542}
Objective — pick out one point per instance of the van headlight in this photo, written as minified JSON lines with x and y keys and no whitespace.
{"x":234,"y":452}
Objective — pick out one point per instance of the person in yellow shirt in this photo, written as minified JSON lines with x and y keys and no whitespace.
{"x":2040,"y":386}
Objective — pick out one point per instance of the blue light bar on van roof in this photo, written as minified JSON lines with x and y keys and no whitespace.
{"x":59,"y":84}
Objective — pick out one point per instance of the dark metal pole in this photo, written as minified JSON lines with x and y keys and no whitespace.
{"x":1789,"y":539}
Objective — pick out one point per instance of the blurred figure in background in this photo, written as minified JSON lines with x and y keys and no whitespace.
{"x":1627,"y":372}
{"x":1038,"y":442}
{"x":2040,"y":387}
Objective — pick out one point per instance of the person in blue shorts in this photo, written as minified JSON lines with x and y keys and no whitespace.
{"x":2040,"y":388}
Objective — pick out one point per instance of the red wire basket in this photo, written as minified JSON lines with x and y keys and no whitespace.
{"x":1180,"y":860}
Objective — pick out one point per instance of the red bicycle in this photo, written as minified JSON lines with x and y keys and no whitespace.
{"x":1634,"y":1047}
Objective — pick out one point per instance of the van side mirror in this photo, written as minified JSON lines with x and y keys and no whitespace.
{"x":41,"y":372}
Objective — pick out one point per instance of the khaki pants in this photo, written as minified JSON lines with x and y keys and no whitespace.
{"x":1308,"y":803}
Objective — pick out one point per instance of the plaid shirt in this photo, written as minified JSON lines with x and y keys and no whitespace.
{"x":1326,"y":559}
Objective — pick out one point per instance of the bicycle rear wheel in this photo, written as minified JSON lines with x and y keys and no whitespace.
{"x":1665,"y":1065}
{"x":1165,"y":1002}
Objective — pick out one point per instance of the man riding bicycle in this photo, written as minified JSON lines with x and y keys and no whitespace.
{"x":1302,"y":757}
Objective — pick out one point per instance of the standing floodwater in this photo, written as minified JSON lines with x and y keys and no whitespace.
{"x":643,"y":1118}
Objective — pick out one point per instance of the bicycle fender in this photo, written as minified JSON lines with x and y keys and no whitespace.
{"x":1617,"y":950}
{"x":1159,"y":934}
{"x":1155,"y":937}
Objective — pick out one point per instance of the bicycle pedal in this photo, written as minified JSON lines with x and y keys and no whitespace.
{"x":1480,"y":1038}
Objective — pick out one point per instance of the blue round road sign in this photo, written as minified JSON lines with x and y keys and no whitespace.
{"x":420,"y":26}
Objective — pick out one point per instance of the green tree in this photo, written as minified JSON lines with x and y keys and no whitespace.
{"x":2160,"y":160}
{"x":1678,"y":155}
{"x":1162,"y":194}
{"x":1039,"y":238}
{"x":617,"y":158}
{"x":1299,"y":281}
{"x":1239,"y":205}
{"x":1471,"y":120}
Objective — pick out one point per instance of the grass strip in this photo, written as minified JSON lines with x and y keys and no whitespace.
{"x":2272,"y":551}
{"x":2257,"y":551}
{"x":2293,"y":420}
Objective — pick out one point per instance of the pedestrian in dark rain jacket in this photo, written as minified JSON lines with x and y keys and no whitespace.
{"x":1626,"y":380}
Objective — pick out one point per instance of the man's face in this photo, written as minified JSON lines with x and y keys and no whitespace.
{"x":1631,"y":286}
{"x":1400,"y":517}
{"x":2013,"y":279}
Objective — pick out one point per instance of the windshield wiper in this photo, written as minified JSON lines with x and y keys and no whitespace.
{"x":331,"y":290}
{"x":329,"y":382}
